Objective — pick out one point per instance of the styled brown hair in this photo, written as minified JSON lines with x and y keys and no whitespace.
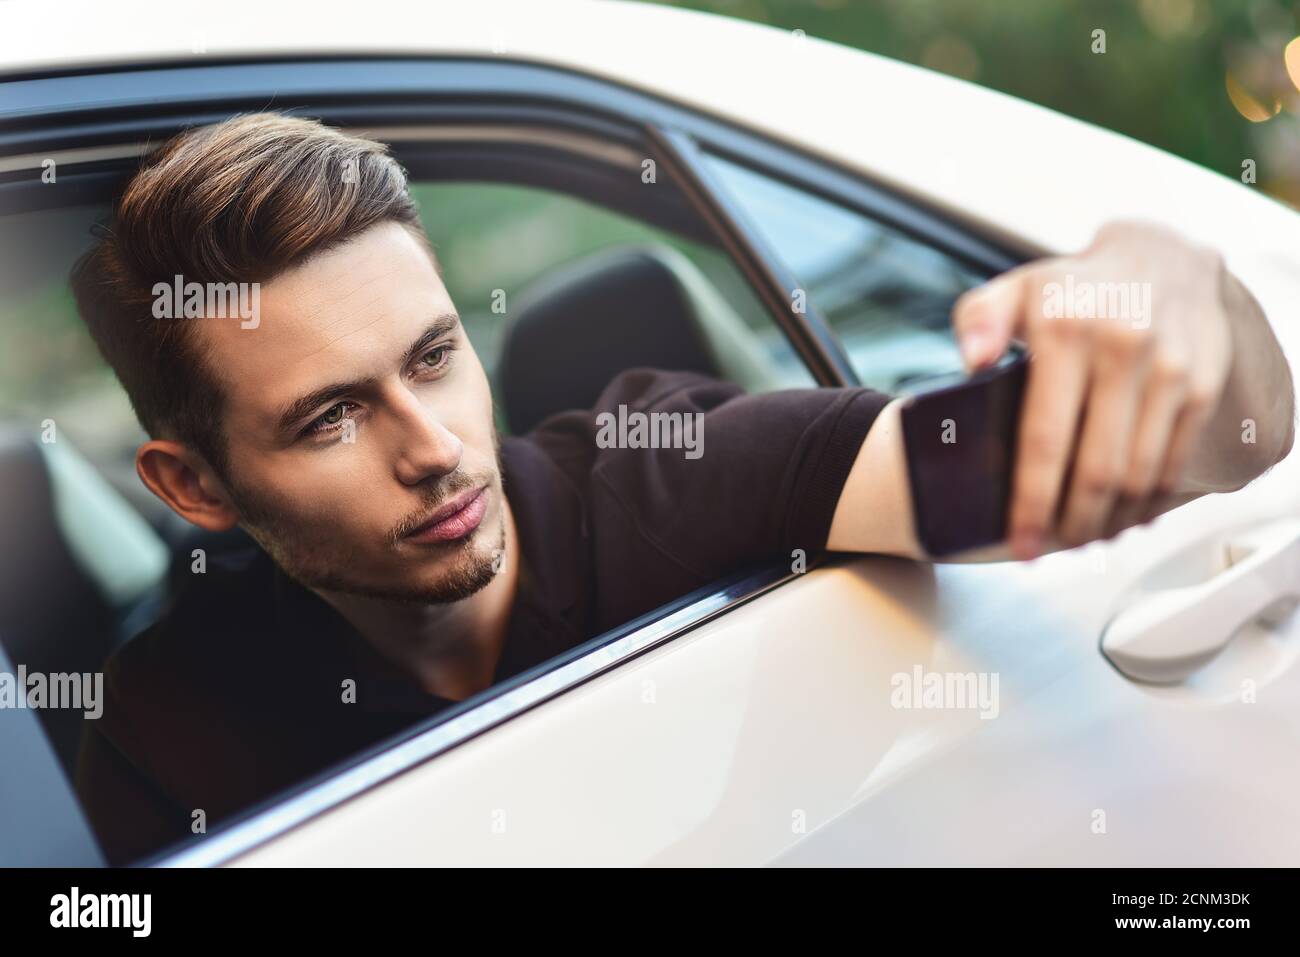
{"x":239,"y":201}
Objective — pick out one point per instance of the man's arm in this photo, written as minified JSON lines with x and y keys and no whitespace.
{"x":1125,"y":415}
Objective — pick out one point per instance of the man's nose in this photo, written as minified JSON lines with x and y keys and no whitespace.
{"x":426,"y":448}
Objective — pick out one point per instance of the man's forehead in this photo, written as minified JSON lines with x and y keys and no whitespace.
{"x":320,"y":303}
{"x":343,"y":314}
{"x":344,"y":289}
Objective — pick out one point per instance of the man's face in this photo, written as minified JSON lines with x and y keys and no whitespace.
{"x":359,"y":425}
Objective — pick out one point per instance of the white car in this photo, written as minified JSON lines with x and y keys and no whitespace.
{"x":1134,"y":702}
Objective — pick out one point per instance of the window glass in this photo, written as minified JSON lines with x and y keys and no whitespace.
{"x":495,"y":241}
{"x":887,"y":296}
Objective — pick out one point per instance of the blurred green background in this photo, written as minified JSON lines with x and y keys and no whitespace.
{"x":1204,"y":79}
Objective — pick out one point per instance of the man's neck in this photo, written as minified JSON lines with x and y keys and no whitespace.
{"x":451,"y":650}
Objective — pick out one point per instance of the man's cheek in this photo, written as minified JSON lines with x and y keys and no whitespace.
{"x":315,"y":510}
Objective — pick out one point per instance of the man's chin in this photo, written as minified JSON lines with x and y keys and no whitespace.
{"x":462,"y":569}
{"x":457,"y":577}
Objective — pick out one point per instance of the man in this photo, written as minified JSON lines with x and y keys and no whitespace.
{"x":408,"y":558}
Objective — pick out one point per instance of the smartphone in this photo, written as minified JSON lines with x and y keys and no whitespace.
{"x":959,"y":432}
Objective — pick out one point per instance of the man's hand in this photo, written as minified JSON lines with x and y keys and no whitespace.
{"x":1154,"y":378}
{"x":1132,"y":404}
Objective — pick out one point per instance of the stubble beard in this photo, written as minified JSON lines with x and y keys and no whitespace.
{"x":313,"y":558}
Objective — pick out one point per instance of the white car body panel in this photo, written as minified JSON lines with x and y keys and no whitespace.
{"x":770,"y":736}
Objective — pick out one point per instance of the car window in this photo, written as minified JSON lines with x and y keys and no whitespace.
{"x":96,"y":558}
{"x":887,"y":296}
{"x":497,"y":242}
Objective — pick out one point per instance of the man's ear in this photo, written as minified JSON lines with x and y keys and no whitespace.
{"x":186,"y":483}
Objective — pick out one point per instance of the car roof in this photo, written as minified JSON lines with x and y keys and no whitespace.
{"x":1019,"y":172}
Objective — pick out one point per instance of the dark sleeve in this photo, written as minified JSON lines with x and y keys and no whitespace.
{"x":130,"y":814}
{"x":768,"y":475}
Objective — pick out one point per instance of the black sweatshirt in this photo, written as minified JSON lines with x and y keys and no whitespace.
{"x":235,"y":694}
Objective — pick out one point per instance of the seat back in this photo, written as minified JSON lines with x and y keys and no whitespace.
{"x":619,"y":309}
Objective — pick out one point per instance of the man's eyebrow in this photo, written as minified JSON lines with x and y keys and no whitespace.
{"x":304,"y":406}
{"x":441,"y":325}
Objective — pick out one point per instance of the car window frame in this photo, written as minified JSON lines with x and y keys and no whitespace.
{"x":98,"y":128}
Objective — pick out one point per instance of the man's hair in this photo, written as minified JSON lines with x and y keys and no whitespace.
{"x":239,"y":201}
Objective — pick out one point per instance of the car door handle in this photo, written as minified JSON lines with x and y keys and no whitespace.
{"x":1167,"y":635}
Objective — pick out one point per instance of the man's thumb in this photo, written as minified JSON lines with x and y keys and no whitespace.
{"x":985,"y":318}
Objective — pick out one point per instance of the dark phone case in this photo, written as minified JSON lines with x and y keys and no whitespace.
{"x":961,"y":489}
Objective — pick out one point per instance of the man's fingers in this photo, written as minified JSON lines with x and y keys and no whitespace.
{"x":1166,"y":389}
{"x":1187,"y":428}
{"x":1195,"y":411}
{"x":1058,"y":378}
{"x":985,"y":318}
{"x":1162,"y":404}
{"x":1118,"y":379}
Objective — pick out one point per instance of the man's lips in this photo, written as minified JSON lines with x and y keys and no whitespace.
{"x":454,"y":520}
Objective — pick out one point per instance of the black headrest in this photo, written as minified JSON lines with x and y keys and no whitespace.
{"x":585,"y":324}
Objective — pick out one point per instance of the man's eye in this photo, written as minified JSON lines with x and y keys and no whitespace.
{"x":435,"y":357}
{"x":327,"y":420}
